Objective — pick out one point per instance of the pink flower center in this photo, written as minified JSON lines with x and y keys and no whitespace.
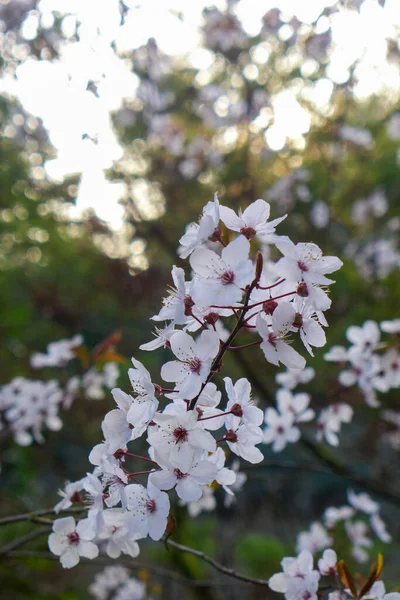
{"x":179,"y":474}
{"x":73,"y":538}
{"x":194,"y":365}
{"x":272,"y":338}
{"x":151,"y":505}
{"x":227,"y":278}
{"x":302,"y":266}
{"x":248,"y":232}
{"x":180,"y":434}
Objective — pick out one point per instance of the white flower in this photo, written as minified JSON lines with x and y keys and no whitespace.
{"x":253,"y":221}
{"x":280,"y":429}
{"x":116,"y":531}
{"x":58,"y":353}
{"x":189,"y":485}
{"x":314,"y":540}
{"x":195,"y":358}
{"x":378,"y":592}
{"x":334,"y":515}
{"x":174,"y":305}
{"x":304,"y":262}
{"x":70,"y":494}
{"x":274,"y":346}
{"x":391,"y":326}
{"x":243,"y":442}
{"x":162,"y":337}
{"x":220,"y":280}
{"x":306,"y":322}
{"x":241,"y":405}
{"x":330,"y":421}
{"x":296,"y":404}
{"x":292,"y":378}
{"x":196,"y":234}
{"x":365,"y":338}
{"x":178,"y":437}
{"x":297,"y":578}
{"x":148,"y":510}
{"x":144,"y":405}
{"x":70,"y":542}
{"x":362,"y":502}
{"x":327,"y":564}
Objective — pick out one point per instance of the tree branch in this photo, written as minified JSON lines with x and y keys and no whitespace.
{"x":216,"y":565}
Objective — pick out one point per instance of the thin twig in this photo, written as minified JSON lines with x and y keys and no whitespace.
{"x":216,"y":565}
{"x":126,"y":562}
{"x":24,"y":539}
{"x":32,"y":516}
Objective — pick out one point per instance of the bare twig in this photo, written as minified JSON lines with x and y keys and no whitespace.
{"x":24,"y":539}
{"x":216,"y":565}
{"x":33,"y":516}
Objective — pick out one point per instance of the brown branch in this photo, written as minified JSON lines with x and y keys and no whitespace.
{"x":35,"y":515}
{"x":24,"y":539}
{"x":216,"y":565}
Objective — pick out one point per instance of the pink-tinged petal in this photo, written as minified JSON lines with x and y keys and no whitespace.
{"x":157,"y":525}
{"x":174,"y":371}
{"x":287,"y":247}
{"x":305,"y":561}
{"x":293,"y":435}
{"x":262,"y":326}
{"x":236,"y":252}
{"x":183,"y":345}
{"x":189,"y":388}
{"x":199,"y":438}
{"x":230,"y":219}
{"x":189,"y":490}
{"x":270,"y":353}
{"x":253,"y":414}
{"x":289,"y":357}
{"x":328,"y":264}
{"x":256,"y":214}
{"x":163,"y":480}
{"x":88,"y":550}
{"x":243,"y":390}
{"x":70,"y":558}
{"x":278,"y":582}
{"x":64,"y":526}
{"x":206,"y":263}
{"x":283,"y":317}
{"x":57,"y":543}
{"x":252,"y":454}
{"x":207,"y":345}
{"x":314,"y":333}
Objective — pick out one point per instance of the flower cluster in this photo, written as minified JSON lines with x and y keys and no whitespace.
{"x":115,"y":583}
{"x":300,"y":581}
{"x":27,"y":406}
{"x":359,"y":519}
{"x":273,"y":302}
{"x":373,"y":365}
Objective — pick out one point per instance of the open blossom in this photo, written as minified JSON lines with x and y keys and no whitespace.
{"x":144,"y":404}
{"x":58,"y":353}
{"x":220,"y":280}
{"x":162,"y":337}
{"x":252,"y":221}
{"x":188,"y":485}
{"x":330,"y":421}
{"x":70,"y":541}
{"x":174,"y":304}
{"x":327,"y":564}
{"x":274,"y":345}
{"x":314,"y":540}
{"x":148,"y":510}
{"x":280,"y":429}
{"x":304,"y":262}
{"x":243,"y":440}
{"x":306,"y":322}
{"x":296,"y":404}
{"x":298,"y":580}
{"x":241,"y":405}
{"x":196,"y":234}
{"x":176,"y":438}
{"x":193,"y":366}
{"x":294,"y":377}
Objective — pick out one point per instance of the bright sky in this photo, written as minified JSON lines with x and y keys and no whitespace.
{"x":56,"y":92}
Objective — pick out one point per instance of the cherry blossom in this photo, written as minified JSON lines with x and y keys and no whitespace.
{"x":327,"y":564}
{"x":304,"y":262}
{"x":196,"y":234}
{"x":70,"y":542}
{"x":148,"y":510}
{"x":220,"y":280}
{"x":274,"y":345}
{"x":240,"y":404}
{"x":251,"y":222}
{"x":280,"y":429}
{"x":195,"y":359}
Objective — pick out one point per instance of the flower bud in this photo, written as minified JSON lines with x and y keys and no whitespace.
{"x":302,"y":290}
{"x":231,"y":436}
{"x":216,"y":235}
{"x":298,"y":321}
{"x":259,"y":265}
{"x":248,"y":232}
{"x":237,"y":410}
{"x":211,"y":318}
{"x":188,"y":305}
{"x":269,"y":306}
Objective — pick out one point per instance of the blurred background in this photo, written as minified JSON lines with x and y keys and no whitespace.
{"x":119,"y":121}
